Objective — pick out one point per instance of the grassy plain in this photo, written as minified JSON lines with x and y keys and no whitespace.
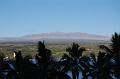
{"x":57,"y":49}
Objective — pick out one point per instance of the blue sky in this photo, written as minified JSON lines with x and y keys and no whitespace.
{"x":23,"y":17}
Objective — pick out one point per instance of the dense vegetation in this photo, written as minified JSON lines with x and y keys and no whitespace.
{"x":72,"y":64}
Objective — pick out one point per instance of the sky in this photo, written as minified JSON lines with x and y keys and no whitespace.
{"x":24,"y":17}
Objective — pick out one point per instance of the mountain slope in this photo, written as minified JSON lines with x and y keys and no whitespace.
{"x":68,"y":35}
{"x":57,"y":37}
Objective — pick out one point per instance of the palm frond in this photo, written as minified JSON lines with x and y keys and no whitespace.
{"x":106,"y":49}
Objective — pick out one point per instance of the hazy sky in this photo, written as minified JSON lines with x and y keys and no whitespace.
{"x":22,"y":17}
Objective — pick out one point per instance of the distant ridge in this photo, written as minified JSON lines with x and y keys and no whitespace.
{"x":66,"y":35}
{"x":56,"y":36}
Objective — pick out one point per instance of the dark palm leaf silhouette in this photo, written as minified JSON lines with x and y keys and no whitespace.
{"x":24,"y":68}
{"x":19,"y":64}
{"x":72,"y":60}
{"x":91,"y":67}
{"x":111,"y":58}
{"x":115,"y":43}
{"x":48,"y":68}
{"x":57,"y":71}
{"x":44,"y":59}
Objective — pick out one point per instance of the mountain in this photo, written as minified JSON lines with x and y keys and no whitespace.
{"x":68,"y":35}
{"x":57,"y":37}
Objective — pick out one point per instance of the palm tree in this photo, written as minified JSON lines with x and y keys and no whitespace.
{"x":102,"y":66}
{"x":71,"y":61}
{"x":19,"y":64}
{"x":111,"y":58}
{"x":24,"y":68}
{"x":44,"y":58}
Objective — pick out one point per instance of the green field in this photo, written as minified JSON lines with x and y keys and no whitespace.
{"x":56,"y":49}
